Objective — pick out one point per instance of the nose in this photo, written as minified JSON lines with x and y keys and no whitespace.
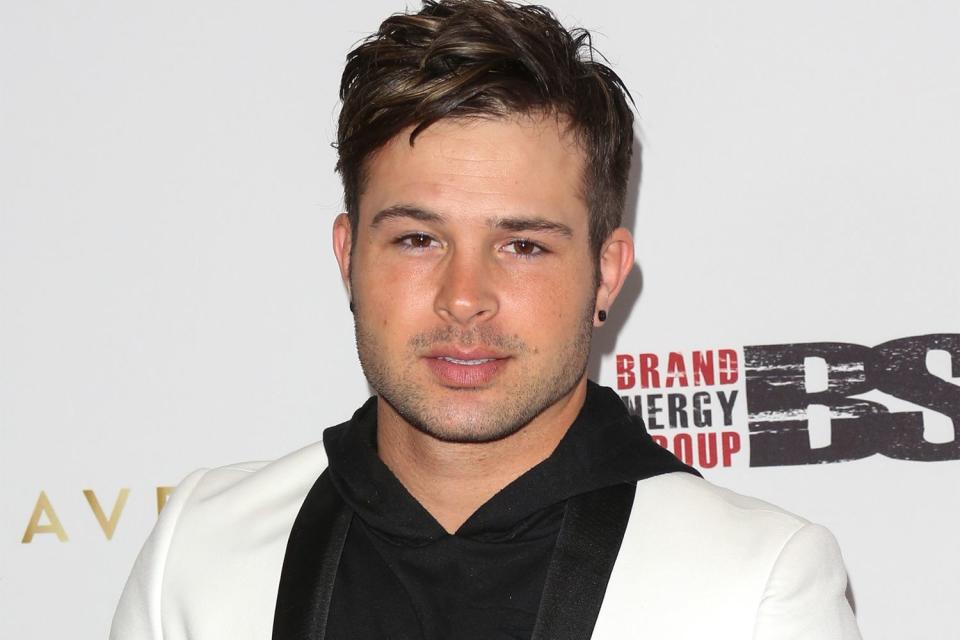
{"x":467,"y":291}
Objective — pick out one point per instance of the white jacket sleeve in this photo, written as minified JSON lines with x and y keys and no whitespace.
{"x":805,"y":596}
{"x":138,"y":616}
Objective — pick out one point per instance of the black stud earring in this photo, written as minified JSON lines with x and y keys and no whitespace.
{"x":602,"y":315}
{"x":351,"y":306}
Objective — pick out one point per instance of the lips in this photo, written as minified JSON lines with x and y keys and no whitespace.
{"x":471,"y":362}
{"x":459,"y":369}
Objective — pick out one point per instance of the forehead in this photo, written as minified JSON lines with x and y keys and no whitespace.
{"x":481,"y":166}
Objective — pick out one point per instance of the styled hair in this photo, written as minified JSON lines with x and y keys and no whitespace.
{"x":486,"y":58}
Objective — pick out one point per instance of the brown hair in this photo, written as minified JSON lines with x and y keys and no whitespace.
{"x":463,"y":58}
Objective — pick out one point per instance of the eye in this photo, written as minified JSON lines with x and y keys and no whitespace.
{"x":524,"y":248}
{"x":416,"y":241}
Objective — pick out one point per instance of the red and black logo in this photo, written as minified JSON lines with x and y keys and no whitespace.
{"x":805,"y":403}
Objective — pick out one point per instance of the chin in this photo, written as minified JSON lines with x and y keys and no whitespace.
{"x":467,"y":431}
{"x":466,"y":417}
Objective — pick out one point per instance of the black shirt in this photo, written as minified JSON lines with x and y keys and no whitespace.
{"x":403,"y":577}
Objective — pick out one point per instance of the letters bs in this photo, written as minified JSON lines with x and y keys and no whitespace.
{"x":778,"y":400}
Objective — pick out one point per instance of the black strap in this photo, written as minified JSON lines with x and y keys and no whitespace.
{"x":580,"y":567}
{"x":310,"y":564}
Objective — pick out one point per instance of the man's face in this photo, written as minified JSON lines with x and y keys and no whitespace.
{"x":472,"y":277}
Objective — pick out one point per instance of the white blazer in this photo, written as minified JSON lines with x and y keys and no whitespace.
{"x":697,"y":561}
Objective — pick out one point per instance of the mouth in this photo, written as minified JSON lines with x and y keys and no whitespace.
{"x":465,"y":371}
{"x":469,"y":363}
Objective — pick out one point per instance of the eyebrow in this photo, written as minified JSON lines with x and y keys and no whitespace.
{"x":515,"y":224}
{"x":406,"y":211}
{"x":520,"y":224}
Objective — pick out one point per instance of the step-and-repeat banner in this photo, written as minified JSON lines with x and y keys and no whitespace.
{"x":169,"y":299}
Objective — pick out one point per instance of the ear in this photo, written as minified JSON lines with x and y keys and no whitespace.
{"x":342,"y":244}
{"x":616,"y":261}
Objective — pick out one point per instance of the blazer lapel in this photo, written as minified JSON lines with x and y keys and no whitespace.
{"x":580,"y":567}
{"x":310,"y":564}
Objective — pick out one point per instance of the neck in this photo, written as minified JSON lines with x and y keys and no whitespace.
{"x":452,"y":480}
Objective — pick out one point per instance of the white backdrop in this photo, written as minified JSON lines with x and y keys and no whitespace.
{"x":169,"y":300}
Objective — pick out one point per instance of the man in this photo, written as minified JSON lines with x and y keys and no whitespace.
{"x":489,"y":490}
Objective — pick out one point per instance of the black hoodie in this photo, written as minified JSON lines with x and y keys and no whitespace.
{"x":402,"y":576}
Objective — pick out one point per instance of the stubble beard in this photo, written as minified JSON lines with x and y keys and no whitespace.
{"x":439,"y":413}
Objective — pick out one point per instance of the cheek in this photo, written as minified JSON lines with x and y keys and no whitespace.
{"x":553,"y":302}
{"x":392,"y":297}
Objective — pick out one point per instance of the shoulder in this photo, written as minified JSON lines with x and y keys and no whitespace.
{"x":259,"y":500}
{"x":252,"y":483}
{"x":218,"y":548}
{"x":693,"y":546}
{"x":677,"y":500}
{"x":701,"y":528}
